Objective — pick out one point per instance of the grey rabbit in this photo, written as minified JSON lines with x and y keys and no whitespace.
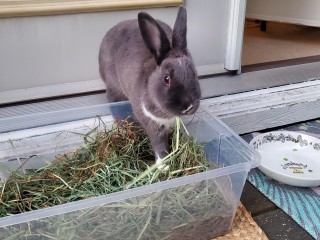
{"x":147,"y":63}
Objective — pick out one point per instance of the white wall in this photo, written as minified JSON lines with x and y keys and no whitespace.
{"x":51,"y":50}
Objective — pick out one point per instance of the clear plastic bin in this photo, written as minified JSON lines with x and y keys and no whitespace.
{"x":48,"y":135}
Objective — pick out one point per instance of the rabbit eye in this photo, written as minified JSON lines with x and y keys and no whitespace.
{"x":167,"y":80}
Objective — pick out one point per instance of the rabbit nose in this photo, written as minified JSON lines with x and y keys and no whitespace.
{"x":188,"y":109}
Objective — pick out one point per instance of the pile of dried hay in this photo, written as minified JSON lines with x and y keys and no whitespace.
{"x":114,"y":160}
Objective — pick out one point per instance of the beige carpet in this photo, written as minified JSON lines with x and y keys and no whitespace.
{"x":281,"y":41}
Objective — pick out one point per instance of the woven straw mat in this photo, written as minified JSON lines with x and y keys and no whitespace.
{"x":244,"y":227}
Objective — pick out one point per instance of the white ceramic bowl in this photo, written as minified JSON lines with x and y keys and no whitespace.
{"x":289,"y":157}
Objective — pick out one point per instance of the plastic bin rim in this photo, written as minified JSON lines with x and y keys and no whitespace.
{"x":202,"y":110}
{"x":118,"y":196}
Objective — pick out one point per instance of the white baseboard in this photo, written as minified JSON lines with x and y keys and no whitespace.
{"x":51,"y":91}
{"x":292,"y":20}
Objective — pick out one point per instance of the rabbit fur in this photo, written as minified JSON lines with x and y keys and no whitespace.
{"x":147,"y":63}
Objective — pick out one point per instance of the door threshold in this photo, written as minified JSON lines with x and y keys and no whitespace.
{"x":280,"y":63}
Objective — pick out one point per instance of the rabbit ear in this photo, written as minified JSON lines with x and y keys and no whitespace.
{"x":179,"y":35}
{"x":153,"y":36}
